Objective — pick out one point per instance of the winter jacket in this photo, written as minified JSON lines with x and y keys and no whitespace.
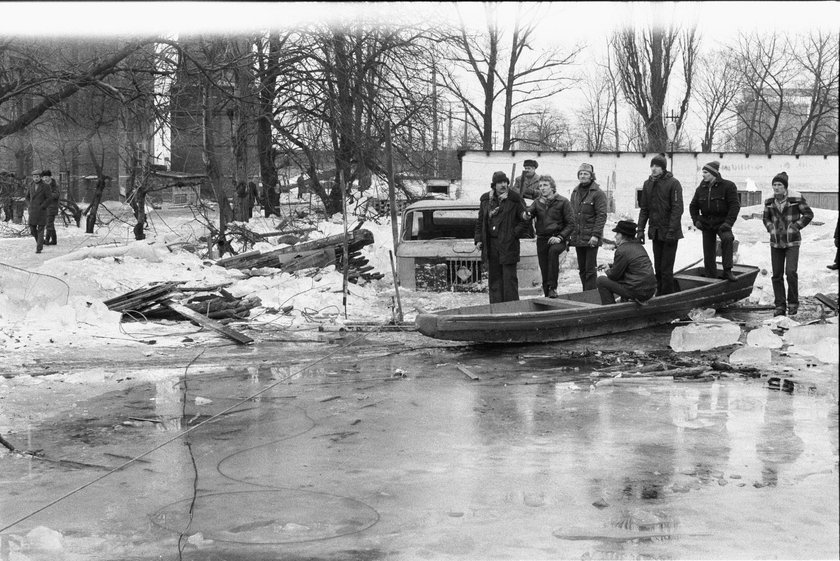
{"x":553,"y":216}
{"x":589,"y":206}
{"x":784,"y":225}
{"x":715,"y":204}
{"x":532,"y":186}
{"x":505,"y":227}
{"x":38,"y":197}
{"x":632,"y":268}
{"x":55,"y":195}
{"x":661,"y":208}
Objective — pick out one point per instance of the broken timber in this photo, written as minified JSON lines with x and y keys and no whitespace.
{"x":315,"y":253}
{"x":207,"y":322}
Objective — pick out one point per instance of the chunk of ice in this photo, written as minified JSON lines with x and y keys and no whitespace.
{"x":750,"y":356}
{"x":810,"y":334}
{"x":702,"y":337}
{"x":42,"y":538}
{"x":764,"y":337}
{"x":825,"y":350}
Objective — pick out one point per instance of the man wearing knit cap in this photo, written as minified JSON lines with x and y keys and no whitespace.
{"x":661,"y":209}
{"x":528,"y":184}
{"x":785,"y":214}
{"x":502,"y":220}
{"x":589,"y":207}
{"x":714,"y":210}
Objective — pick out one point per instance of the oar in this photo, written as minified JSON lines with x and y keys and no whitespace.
{"x":688,"y":266}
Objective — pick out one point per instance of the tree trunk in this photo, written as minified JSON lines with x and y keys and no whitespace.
{"x":211,"y":166}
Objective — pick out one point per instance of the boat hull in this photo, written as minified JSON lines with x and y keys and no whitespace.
{"x":580,"y":315}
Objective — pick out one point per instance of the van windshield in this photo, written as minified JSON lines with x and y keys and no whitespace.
{"x":430,"y":224}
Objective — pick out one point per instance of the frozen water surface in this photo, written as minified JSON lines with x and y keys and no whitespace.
{"x":393,"y":453}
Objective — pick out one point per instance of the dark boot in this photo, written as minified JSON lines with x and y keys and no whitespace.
{"x":780,"y":311}
{"x":728,"y":275}
{"x":552,"y":293}
{"x":793,"y":309}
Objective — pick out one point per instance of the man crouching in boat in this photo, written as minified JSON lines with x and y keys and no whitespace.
{"x":502,"y":220}
{"x":631,"y":276}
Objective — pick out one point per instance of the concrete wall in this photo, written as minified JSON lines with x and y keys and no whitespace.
{"x":621,"y":174}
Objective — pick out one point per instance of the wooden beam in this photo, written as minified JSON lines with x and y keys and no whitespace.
{"x":207,"y":322}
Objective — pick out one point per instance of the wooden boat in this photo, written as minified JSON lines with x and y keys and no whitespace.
{"x":579,"y":315}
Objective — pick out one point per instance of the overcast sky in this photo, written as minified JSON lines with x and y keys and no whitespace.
{"x":565,"y":20}
{"x":564,"y":24}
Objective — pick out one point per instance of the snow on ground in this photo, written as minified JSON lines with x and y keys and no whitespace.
{"x":56,"y":297}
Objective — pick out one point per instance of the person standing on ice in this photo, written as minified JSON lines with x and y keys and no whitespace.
{"x":714,"y":210}
{"x":38,"y":198}
{"x":836,"y":263}
{"x":502,"y":220}
{"x":589,"y":207}
{"x":661,"y":210}
{"x":785,"y":214}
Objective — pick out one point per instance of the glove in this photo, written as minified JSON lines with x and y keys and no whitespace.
{"x":670,"y":236}
{"x":698,"y":225}
{"x":724,"y":227}
{"x":640,"y":235}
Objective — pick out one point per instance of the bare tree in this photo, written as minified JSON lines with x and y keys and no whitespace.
{"x":817,"y":56}
{"x":545,"y":129}
{"x":717,"y":89}
{"x":594,"y":116}
{"x":528,"y":81}
{"x":767,"y":70}
{"x":645,"y":61}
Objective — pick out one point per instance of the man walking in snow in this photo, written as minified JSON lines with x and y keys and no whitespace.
{"x":38,"y":198}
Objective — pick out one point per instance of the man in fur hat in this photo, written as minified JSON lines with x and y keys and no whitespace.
{"x":714,"y":210}
{"x":528,"y":184}
{"x":502,"y":220}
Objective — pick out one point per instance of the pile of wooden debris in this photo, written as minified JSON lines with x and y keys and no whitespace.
{"x":317,"y":253}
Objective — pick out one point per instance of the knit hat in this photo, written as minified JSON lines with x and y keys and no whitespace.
{"x":532,"y":163}
{"x":661,"y":161}
{"x":46,"y":173}
{"x":782,"y":178}
{"x":626,"y":227}
{"x":713,"y":168}
{"x":499,"y":177}
{"x":589,"y":168}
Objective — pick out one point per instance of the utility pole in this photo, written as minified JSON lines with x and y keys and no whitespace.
{"x":434,"y":121}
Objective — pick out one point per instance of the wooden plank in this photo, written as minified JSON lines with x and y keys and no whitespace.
{"x":827,"y":301}
{"x":467,"y":372}
{"x":207,"y":322}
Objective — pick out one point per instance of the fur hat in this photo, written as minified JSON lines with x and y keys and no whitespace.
{"x":713,"y":168}
{"x":661,"y":161}
{"x":499,"y":177}
{"x":587,"y":167}
{"x":782,"y":178}
{"x":626,"y":227}
{"x":532,"y":163}
{"x":46,"y":173}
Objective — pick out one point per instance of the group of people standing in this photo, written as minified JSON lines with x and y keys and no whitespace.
{"x":579,"y":221}
{"x":42,"y":198}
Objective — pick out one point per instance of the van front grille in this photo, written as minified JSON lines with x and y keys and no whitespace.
{"x":443,"y":275}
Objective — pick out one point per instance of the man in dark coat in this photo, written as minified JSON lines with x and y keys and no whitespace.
{"x":554,"y":220}
{"x":714,"y":210}
{"x":38,"y":198}
{"x":631,"y":274}
{"x":836,"y":263}
{"x":50,"y":236}
{"x":589,"y":206}
{"x":661,"y":209}
{"x":528,"y":184}
{"x":502,"y":220}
